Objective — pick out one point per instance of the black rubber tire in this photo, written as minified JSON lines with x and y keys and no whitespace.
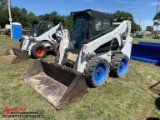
{"x":5,"y":32}
{"x":21,"y":43}
{"x":35,"y":47}
{"x":91,"y":65}
{"x":115,"y":61}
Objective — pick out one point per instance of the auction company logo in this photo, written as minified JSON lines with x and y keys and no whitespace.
{"x":21,"y":113}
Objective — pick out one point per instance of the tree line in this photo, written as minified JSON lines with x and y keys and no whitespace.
{"x":156,"y":19}
{"x":25,"y":18}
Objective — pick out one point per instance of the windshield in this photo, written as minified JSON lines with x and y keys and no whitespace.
{"x":79,"y":31}
{"x":34,"y":28}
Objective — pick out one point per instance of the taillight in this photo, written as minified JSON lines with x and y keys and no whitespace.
{"x":84,"y":49}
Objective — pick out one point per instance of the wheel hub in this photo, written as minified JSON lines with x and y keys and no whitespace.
{"x":98,"y":72}
{"x":121,"y":66}
{"x":40,"y":51}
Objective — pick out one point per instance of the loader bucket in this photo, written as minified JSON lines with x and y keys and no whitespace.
{"x":14,"y":55}
{"x":148,"y":52}
{"x":58,"y":84}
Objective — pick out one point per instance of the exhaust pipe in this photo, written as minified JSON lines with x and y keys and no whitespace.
{"x":14,"y":55}
{"x":58,"y":84}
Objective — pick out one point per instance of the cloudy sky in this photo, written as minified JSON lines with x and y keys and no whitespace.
{"x":143,"y":11}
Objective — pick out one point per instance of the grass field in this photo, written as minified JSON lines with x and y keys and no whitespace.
{"x":127,"y":98}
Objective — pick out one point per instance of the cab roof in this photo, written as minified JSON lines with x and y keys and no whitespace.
{"x":92,"y":13}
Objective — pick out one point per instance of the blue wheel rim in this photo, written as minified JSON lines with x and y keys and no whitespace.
{"x":123,"y":67}
{"x":100,"y":73}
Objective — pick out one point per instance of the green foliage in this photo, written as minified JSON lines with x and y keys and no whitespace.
{"x":56,"y":18}
{"x":3,"y":3}
{"x":135,"y":27}
{"x":31,"y":17}
{"x":157,"y":16}
{"x":53,"y":16}
{"x":3,"y":13}
{"x":4,"y":18}
{"x":149,"y":28}
{"x":19,"y":15}
{"x":25,"y":18}
{"x":67,"y":22}
{"x":119,"y":16}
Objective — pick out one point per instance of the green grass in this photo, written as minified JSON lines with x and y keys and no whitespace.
{"x":127,"y":98}
{"x":1,"y":30}
{"x":147,"y":39}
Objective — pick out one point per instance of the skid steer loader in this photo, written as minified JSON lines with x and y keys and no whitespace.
{"x":93,"y":51}
{"x":43,"y":38}
{"x":40,"y":27}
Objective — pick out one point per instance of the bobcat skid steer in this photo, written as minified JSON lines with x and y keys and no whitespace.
{"x":93,"y":51}
{"x":43,"y":38}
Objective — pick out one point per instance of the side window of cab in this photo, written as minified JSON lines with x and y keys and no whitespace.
{"x":101,"y":26}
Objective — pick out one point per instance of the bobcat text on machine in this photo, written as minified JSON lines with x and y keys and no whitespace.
{"x":43,"y":38}
{"x":95,"y":50}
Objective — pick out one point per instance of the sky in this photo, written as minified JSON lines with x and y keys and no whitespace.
{"x":143,"y":11}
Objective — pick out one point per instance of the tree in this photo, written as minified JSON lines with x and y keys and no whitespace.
{"x":149,"y":28}
{"x":157,"y":16}
{"x":31,"y":17}
{"x":57,"y":18}
{"x":3,"y":3}
{"x":53,"y":16}
{"x":4,"y":19}
{"x":135,"y":27}
{"x":20,"y":15}
{"x":3,"y":11}
{"x":119,"y":16}
{"x":67,"y":22}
